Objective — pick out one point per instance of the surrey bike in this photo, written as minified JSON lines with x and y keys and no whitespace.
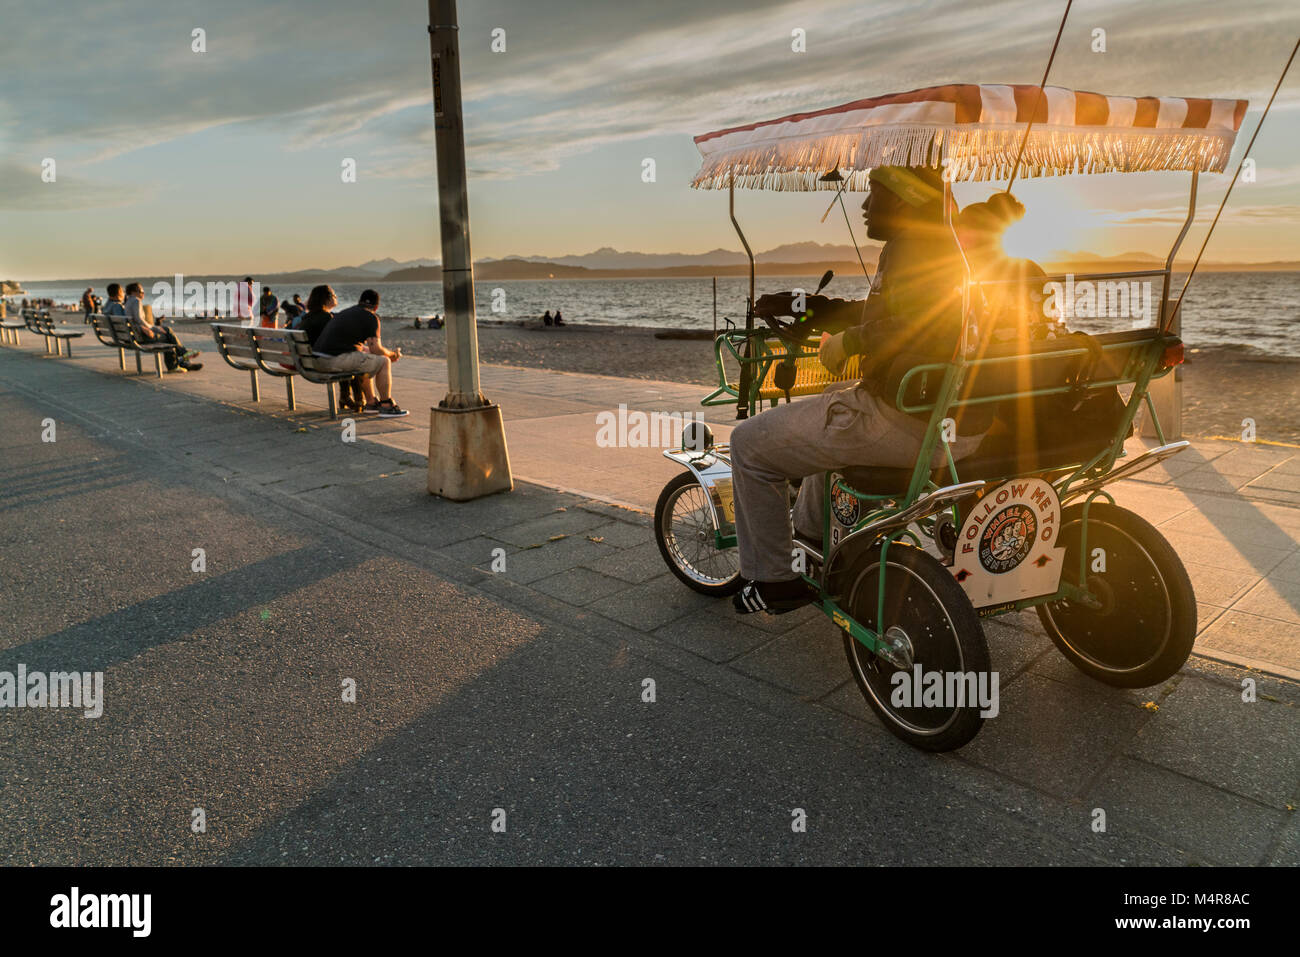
{"x":912,"y":560}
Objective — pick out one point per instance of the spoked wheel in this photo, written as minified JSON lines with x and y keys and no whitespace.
{"x":686,"y":540}
{"x":929,"y":619}
{"x":1146,"y":625}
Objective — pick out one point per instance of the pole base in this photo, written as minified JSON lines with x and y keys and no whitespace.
{"x":467,"y":453}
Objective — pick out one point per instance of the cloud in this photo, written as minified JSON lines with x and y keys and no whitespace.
{"x":25,"y":191}
{"x":1276,"y":214}
{"x":575,"y":75}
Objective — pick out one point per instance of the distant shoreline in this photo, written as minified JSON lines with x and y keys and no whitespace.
{"x":519,"y":270}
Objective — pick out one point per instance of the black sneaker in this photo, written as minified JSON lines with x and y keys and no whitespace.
{"x":191,"y":366}
{"x":775,"y":598}
{"x":388,"y":409}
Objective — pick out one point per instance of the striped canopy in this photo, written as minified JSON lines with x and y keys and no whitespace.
{"x":978,"y":129}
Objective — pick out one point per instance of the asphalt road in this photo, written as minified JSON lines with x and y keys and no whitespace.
{"x":327,"y":564}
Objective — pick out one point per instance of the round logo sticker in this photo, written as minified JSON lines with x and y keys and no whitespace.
{"x":1007,"y":538}
{"x":844,"y":506}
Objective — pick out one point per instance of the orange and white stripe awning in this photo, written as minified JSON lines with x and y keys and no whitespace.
{"x":978,"y":129}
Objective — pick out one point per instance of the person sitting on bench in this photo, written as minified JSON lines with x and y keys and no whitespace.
{"x":114,"y":305}
{"x":914,"y":309}
{"x":146,"y":332}
{"x":350,"y":343}
{"x":318,"y":312}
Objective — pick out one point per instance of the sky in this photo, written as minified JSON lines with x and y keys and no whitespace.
{"x":230,"y":160}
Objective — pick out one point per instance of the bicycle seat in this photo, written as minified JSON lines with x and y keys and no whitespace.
{"x":878,"y":480}
{"x":999,"y":456}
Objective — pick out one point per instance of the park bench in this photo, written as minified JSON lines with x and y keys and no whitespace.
{"x":277,"y":352}
{"x":116,"y":333}
{"x":41,"y":324}
{"x":9,"y":329}
{"x":104,"y":332}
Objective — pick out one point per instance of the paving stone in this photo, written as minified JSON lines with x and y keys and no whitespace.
{"x":579,"y":586}
{"x":530,"y":564}
{"x":1258,"y":642}
{"x":1216,"y":827}
{"x":641,"y":563}
{"x":1053,"y":736}
{"x":622,"y":534}
{"x":1273,"y":599}
{"x":1286,"y":851}
{"x":772,"y":624}
{"x":650,"y":604}
{"x":1288,"y":570}
{"x":808,"y":660}
{"x":1205,"y":731}
{"x":1208,"y":480}
{"x":713,"y":637}
{"x":1239,"y":554}
{"x":477,"y":551}
{"x":1015,"y":641}
{"x":574,"y":521}
{"x":847,"y":699}
{"x":1251,"y":529}
{"x":1218,"y":586}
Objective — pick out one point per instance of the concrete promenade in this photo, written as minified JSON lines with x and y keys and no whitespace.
{"x":328,"y":563}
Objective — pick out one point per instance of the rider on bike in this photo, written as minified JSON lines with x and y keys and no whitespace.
{"x":913,"y":314}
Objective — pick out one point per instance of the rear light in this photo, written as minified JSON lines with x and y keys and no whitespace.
{"x":1172,"y":356}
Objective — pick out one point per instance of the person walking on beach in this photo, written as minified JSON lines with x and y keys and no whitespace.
{"x":350,"y":343}
{"x":88,"y":303}
{"x":137,"y":313}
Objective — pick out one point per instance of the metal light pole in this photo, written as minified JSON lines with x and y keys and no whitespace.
{"x":467,"y":441}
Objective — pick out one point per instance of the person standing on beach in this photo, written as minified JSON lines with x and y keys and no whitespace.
{"x":269,"y":307}
{"x":88,"y":303}
{"x":177,"y":357}
{"x":350,"y":343}
{"x":244,"y":298}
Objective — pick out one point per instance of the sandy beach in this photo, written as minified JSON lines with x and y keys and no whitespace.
{"x":1221,"y":386}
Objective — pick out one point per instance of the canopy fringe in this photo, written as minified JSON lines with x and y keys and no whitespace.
{"x":984,"y":154}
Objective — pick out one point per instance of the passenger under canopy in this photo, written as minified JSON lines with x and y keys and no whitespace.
{"x":978,"y":129}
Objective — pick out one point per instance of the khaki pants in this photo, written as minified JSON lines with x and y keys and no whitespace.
{"x":804,"y":438}
{"x":366,"y":363}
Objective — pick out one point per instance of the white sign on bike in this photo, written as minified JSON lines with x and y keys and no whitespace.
{"x":1006,"y":549}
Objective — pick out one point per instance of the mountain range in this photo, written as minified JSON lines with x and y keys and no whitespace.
{"x":790,"y":259}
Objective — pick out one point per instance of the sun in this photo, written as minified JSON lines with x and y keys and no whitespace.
{"x":1052,"y":224}
{"x":1037,"y":236}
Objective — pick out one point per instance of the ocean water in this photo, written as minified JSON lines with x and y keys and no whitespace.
{"x":1253,"y":311}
